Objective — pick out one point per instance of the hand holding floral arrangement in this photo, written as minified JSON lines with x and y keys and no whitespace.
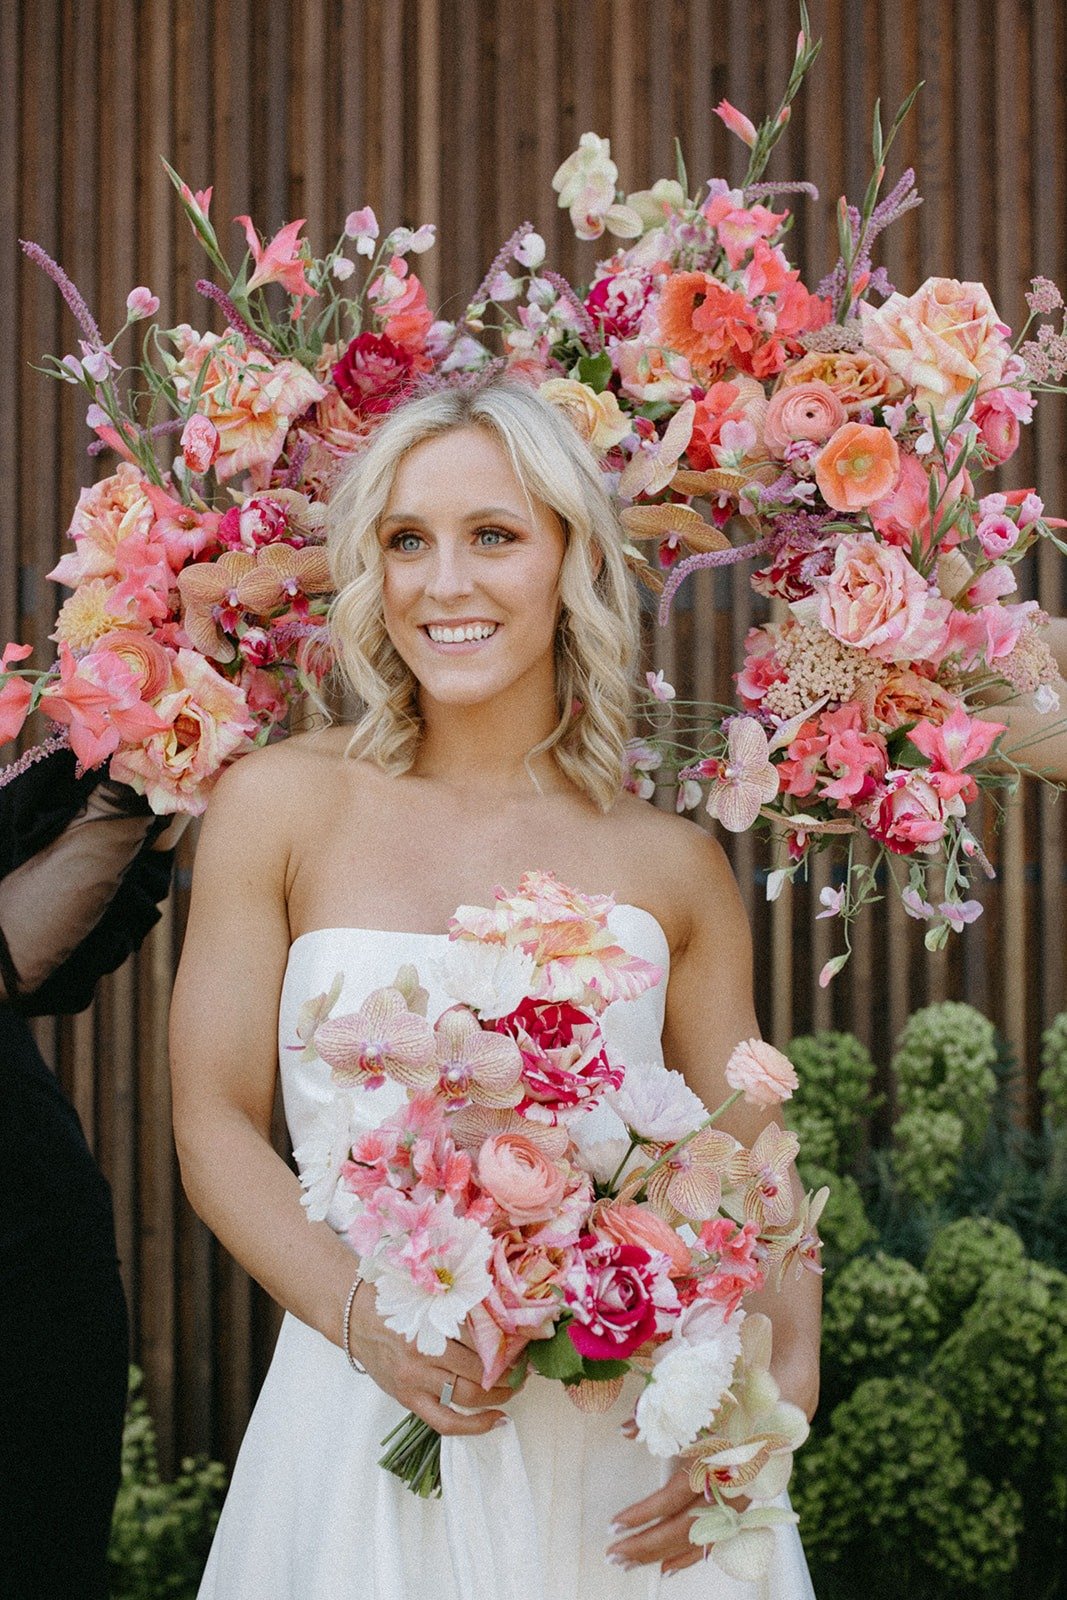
{"x":489,"y":1206}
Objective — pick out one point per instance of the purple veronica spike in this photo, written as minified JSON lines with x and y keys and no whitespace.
{"x":70,"y":293}
{"x":583,"y":321}
{"x":706,"y":558}
{"x":297,"y":457}
{"x":47,"y":747}
{"x":503,"y":256}
{"x":763,"y":191}
{"x":211,"y":291}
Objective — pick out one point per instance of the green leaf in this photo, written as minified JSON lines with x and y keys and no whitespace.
{"x":556,"y":1357}
{"x":517,"y":1375}
{"x":595,"y":371}
{"x":603,"y":1371}
{"x":679,"y":166}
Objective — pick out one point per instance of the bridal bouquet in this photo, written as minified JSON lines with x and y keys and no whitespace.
{"x":572,"y":1213}
{"x":842,"y":434}
{"x":200,"y":584}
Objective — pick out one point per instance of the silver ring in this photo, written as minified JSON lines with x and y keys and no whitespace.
{"x":448,"y":1389}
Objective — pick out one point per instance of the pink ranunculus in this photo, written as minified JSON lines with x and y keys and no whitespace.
{"x":521,"y":1178}
{"x":809,"y":411}
{"x":200,"y":443}
{"x":564,"y":1062}
{"x":763,"y":1074}
{"x":939,"y":341}
{"x":206,"y":722}
{"x":998,"y":426}
{"x":623,"y":1223}
{"x":912,"y":815}
{"x":612,"y":1291}
{"x":875,"y":600}
{"x":146,"y":659}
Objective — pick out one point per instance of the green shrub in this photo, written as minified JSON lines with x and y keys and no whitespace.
{"x":964,"y":1255}
{"x":927,"y":1149}
{"x":161,"y":1531}
{"x":835,"y":1072}
{"x":878,"y":1317}
{"x":1053,"y":1081}
{"x":944,"y":1063}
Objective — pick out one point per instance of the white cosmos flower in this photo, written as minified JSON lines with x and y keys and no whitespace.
{"x":490,"y":978}
{"x":655,"y":1102}
{"x":320,"y":1156}
{"x":428,"y":1300}
{"x":688,"y":1382}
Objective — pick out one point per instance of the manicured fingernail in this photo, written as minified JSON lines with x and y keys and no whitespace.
{"x":501,"y":1422}
{"x":617,"y":1527}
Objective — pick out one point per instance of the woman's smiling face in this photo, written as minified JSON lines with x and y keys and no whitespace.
{"x":471,"y":570}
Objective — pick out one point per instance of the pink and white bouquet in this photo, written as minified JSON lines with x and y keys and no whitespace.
{"x":500,"y":1204}
{"x":841,"y":433}
{"x":199,"y":579}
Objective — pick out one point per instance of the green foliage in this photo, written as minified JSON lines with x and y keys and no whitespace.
{"x":963,"y":1256}
{"x":888,"y":1504}
{"x":161,"y":1530}
{"x":835,"y":1072}
{"x":878,"y":1317}
{"x":1053,"y":1081}
{"x":927,"y":1149}
{"x":944,"y":1063}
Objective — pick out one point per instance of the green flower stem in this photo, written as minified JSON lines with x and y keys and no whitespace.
{"x":415,"y":1458}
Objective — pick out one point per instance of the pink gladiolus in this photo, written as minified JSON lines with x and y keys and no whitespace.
{"x":737,"y":122}
{"x":198,"y":200}
{"x":16,"y":694}
{"x":280,"y":261}
{"x":200,"y":443}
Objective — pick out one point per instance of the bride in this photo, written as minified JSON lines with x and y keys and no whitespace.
{"x":486,"y":621}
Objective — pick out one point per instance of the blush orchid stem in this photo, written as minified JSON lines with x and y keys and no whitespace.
{"x":680,"y":1144}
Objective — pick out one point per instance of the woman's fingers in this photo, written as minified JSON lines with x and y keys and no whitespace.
{"x":447,"y":1421}
{"x":666,"y":1540}
{"x":675,"y":1494}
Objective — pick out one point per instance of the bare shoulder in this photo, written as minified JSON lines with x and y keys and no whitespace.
{"x":688,"y":873}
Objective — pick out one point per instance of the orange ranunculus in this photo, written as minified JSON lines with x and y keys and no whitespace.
{"x":857,"y":465}
{"x":713,"y":327}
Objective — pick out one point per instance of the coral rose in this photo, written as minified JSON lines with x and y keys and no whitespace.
{"x":858,"y":465}
{"x":939,"y":341}
{"x":108,"y":514}
{"x":763,"y":1074}
{"x":906,"y":695}
{"x":521,"y":1178}
{"x":802,"y":411}
{"x":860,"y":381}
{"x":629,"y":1224}
{"x":595,"y":416}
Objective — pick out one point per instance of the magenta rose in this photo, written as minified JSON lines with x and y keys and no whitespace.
{"x":564,"y":1062}
{"x":259,"y":521}
{"x":373,"y":374}
{"x":912,"y":815}
{"x":611,"y":1291}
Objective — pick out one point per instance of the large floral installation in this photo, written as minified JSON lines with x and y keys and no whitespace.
{"x":835,"y":439}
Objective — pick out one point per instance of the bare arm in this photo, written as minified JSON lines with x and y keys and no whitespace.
{"x":223,"y":1030}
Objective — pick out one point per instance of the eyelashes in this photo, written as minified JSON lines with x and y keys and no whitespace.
{"x":500,"y":537}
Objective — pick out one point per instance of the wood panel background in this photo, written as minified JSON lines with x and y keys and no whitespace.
{"x":458,"y":112}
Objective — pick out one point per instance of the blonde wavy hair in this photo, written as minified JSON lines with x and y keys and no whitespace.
{"x":597,"y":633}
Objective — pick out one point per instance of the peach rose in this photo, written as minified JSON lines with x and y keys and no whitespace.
{"x":906,"y":696}
{"x":523,"y":1181}
{"x":857,"y":465}
{"x":860,"y":381}
{"x":763,"y":1074}
{"x":939,"y":341}
{"x":875,"y":600}
{"x":802,"y":411}
{"x":107,"y":514}
{"x":630,"y":1224}
{"x":596,"y":417}
{"x":207,"y":723}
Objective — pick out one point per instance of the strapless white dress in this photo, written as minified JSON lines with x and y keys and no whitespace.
{"x":526,"y":1509}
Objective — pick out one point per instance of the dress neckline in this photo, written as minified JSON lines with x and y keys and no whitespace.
{"x":407,"y":933}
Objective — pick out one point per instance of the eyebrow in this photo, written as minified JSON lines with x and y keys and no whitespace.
{"x":473,"y":516}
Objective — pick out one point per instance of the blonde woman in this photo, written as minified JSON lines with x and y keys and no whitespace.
{"x":486,"y":621}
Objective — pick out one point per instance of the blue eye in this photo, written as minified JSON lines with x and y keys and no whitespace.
{"x":407,"y":542}
{"x":494,"y":536}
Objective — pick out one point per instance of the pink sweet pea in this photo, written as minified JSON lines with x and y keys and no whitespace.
{"x":200,"y":443}
{"x":278,"y":262}
{"x":958,"y":913}
{"x":141,"y":302}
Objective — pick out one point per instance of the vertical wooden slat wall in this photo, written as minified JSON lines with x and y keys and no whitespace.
{"x":458,"y":112}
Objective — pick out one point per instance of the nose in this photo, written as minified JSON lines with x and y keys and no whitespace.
{"x":450,"y":576}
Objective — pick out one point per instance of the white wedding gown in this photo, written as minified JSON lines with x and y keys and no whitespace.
{"x":526,"y":1509}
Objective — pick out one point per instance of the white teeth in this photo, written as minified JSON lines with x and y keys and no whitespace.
{"x":475,"y":630}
